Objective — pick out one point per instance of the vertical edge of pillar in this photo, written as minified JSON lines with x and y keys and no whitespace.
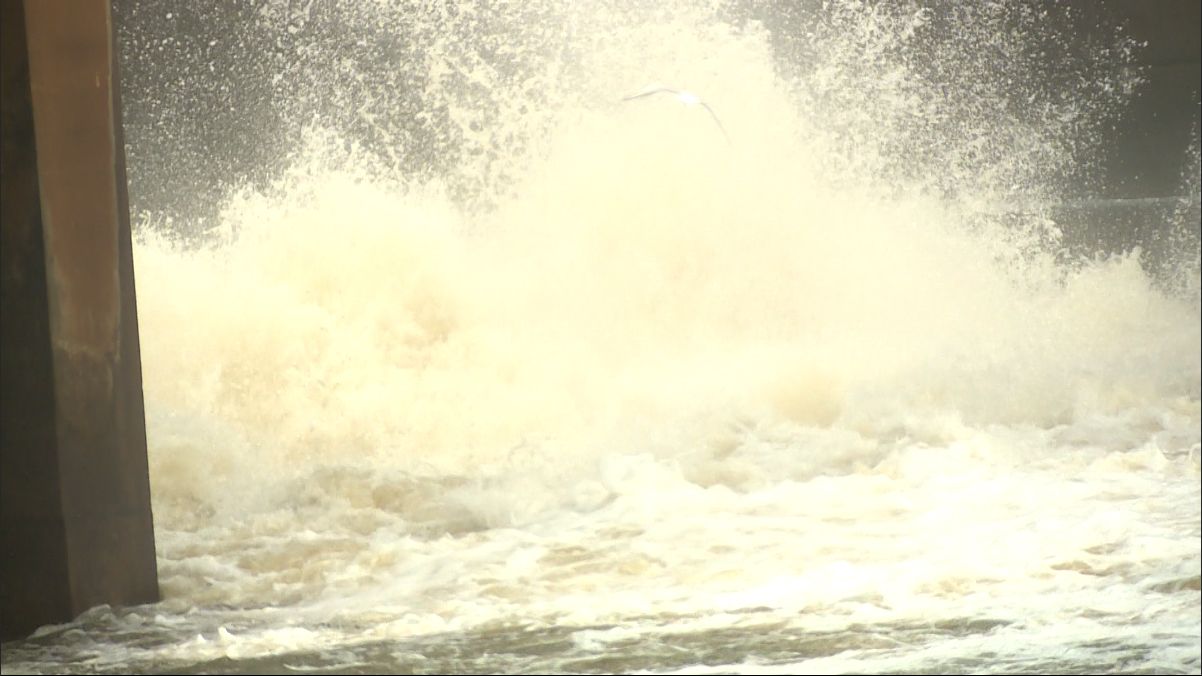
{"x":131,"y":407}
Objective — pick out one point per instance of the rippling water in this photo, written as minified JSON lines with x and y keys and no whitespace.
{"x":606,"y":392}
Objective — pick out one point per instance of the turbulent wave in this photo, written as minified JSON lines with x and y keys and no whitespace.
{"x":637,"y":284}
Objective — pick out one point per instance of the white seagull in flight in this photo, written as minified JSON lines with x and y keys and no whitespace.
{"x":687,"y":98}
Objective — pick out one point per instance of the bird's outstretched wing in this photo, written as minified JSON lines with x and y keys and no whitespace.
{"x":651,"y":91}
{"x":685,"y":97}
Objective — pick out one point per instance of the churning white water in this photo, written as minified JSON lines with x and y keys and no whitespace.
{"x":616,"y":394}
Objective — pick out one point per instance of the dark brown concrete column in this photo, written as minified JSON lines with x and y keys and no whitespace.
{"x":76,"y":520}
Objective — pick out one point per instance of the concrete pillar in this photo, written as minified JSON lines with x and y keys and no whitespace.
{"x":76,"y":521}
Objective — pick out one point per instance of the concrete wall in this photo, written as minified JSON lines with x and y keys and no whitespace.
{"x":1147,"y":156}
{"x":76,"y":527}
{"x":1148,"y":191}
